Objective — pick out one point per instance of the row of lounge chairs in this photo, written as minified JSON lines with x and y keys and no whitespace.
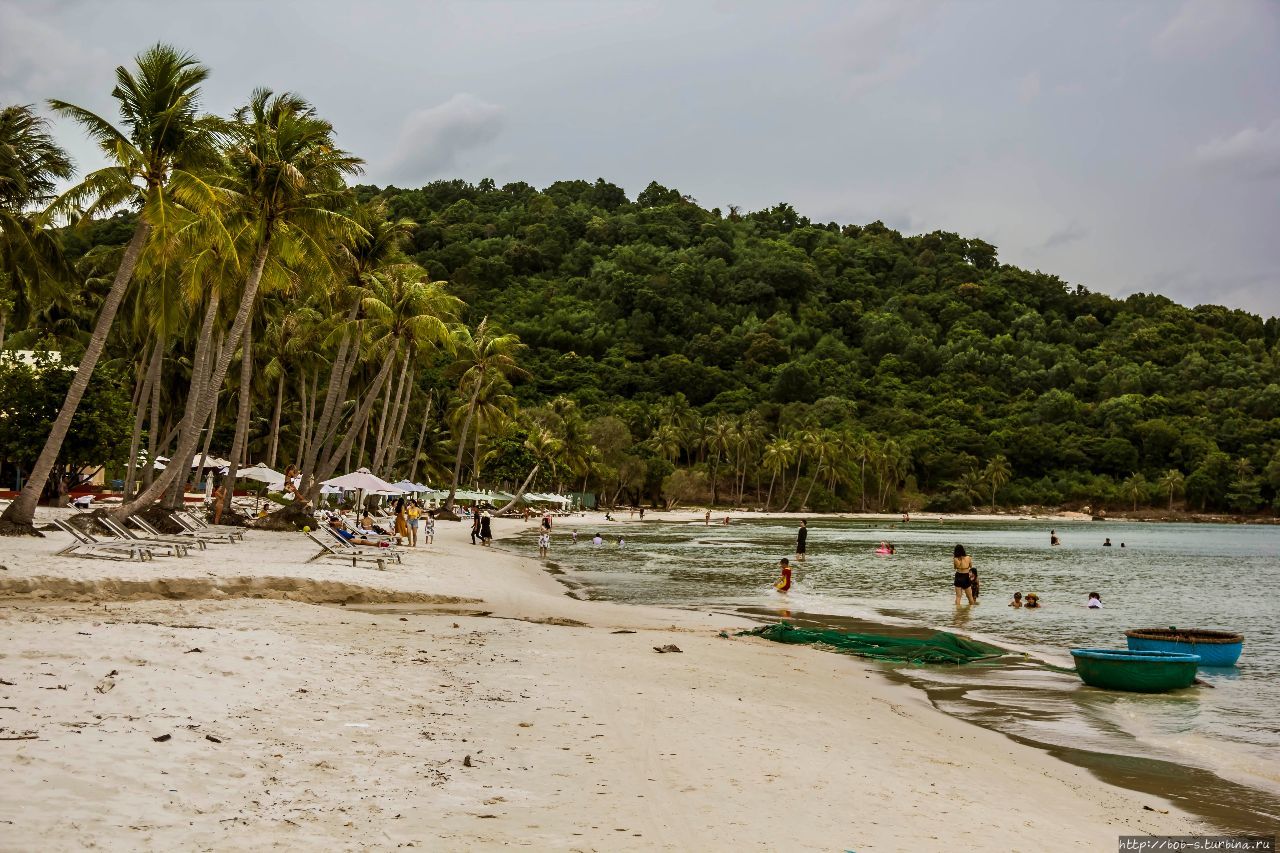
{"x":146,"y":542}
{"x":333,"y":545}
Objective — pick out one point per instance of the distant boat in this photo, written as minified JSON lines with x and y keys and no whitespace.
{"x":1215,"y":648}
{"x":1135,"y":671}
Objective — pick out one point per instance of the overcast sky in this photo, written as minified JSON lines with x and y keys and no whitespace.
{"x":1126,"y":146}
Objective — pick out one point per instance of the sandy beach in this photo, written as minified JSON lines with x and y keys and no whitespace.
{"x":243,"y":698}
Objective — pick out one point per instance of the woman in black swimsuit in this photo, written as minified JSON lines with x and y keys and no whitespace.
{"x":962,"y":563}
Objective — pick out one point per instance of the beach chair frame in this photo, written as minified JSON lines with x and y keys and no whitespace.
{"x":174,"y":549}
{"x":345,"y":545}
{"x":198,"y":525}
{"x":328,"y":551}
{"x":86,"y":546}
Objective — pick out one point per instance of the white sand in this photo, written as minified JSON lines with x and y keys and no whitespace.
{"x":344,"y":729}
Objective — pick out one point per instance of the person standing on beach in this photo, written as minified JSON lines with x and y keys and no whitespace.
{"x":802,"y":540}
{"x":429,"y":531}
{"x":413,"y":513}
{"x":544,"y":544}
{"x":1053,"y":538}
{"x":475,"y":528}
{"x":486,"y":529}
{"x":706,"y":520}
{"x":962,"y":563}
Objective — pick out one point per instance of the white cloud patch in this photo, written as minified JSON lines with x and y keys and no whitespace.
{"x":39,"y":60}
{"x":1253,"y":152}
{"x":434,"y":141}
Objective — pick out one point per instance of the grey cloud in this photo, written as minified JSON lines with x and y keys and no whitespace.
{"x":434,"y":141}
{"x":1072,"y":233}
{"x":1200,"y":27}
{"x":1253,"y":152}
{"x":870,"y":44}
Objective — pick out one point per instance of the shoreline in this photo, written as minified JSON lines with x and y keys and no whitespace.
{"x":1245,"y":800}
{"x":546,"y":721}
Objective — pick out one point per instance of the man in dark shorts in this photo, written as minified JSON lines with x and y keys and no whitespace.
{"x":802,"y":535}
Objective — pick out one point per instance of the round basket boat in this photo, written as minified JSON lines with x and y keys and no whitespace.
{"x":1135,"y":671}
{"x":1215,"y":648}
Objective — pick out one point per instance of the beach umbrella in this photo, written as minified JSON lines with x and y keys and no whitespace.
{"x":362,"y":480}
{"x":330,"y":490}
{"x":262,"y":474}
{"x":409,"y":488}
{"x":213,"y":462}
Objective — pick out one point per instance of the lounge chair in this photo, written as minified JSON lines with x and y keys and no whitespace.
{"x":329,"y":551}
{"x":84,"y":545}
{"x":173,"y":549}
{"x":344,"y":545}
{"x":195,"y":523}
{"x":184,"y":536}
{"x":151,"y":535}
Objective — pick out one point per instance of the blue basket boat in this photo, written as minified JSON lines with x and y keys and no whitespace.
{"x":1135,"y":671}
{"x":1215,"y":648}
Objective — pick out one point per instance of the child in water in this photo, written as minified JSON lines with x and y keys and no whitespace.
{"x":973,"y":583}
{"x":783,"y":583}
{"x":1017,"y":600}
{"x":1033,"y":600}
{"x":1095,"y":601}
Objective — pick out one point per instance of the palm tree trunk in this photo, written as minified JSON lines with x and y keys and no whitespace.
{"x":792,"y":493}
{"x":422,"y":434}
{"x":804,"y":503}
{"x":391,"y":418}
{"x":715,"y":466}
{"x":275,"y":422}
{"x":462,"y":441}
{"x":364,"y":439}
{"x":150,"y":378}
{"x":335,"y":395}
{"x":519,"y":492}
{"x":769,"y":498}
{"x":396,"y":442}
{"x":188,"y":438}
{"x":240,"y":444}
{"x":154,"y":431}
{"x":304,"y":416}
{"x":21,"y":512}
{"x":379,"y":443}
{"x":863,"y":475}
{"x":326,"y":466}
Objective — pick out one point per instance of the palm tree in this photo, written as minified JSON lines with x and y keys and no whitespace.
{"x":720,"y":438}
{"x":1172,"y":482}
{"x":997,"y":473}
{"x":973,"y":484}
{"x":823,"y":447}
{"x":31,"y":164}
{"x":1134,"y":487}
{"x":164,"y":137}
{"x":281,"y":182}
{"x":777,"y":457}
{"x":865,"y":449}
{"x":666,"y":442}
{"x":479,"y":355}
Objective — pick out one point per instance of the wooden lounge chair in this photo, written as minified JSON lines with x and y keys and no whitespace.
{"x":345,"y":545}
{"x":329,"y":551}
{"x":84,"y":545}
{"x":124,"y":532}
{"x":196,"y":524}
{"x":185,"y":536}
{"x":173,"y":549}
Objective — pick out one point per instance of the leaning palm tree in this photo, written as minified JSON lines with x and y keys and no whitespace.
{"x":280,"y":182}
{"x":164,"y":137}
{"x":31,"y":164}
{"x":479,"y":355}
{"x":777,"y":457}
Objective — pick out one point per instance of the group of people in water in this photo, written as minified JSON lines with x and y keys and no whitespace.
{"x":965,"y":581}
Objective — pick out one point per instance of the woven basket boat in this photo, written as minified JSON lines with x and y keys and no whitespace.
{"x":1135,"y":671}
{"x":1215,"y":648}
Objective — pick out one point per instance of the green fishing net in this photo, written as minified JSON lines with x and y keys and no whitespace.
{"x":940,"y":647}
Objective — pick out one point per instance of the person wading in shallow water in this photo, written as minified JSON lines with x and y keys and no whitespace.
{"x":802,"y":540}
{"x":783,"y":584}
{"x":962,"y":563}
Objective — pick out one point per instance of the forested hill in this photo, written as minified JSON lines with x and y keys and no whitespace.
{"x":928,"y":342}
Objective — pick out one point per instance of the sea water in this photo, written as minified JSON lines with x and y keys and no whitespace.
{"x":1153,"y":575}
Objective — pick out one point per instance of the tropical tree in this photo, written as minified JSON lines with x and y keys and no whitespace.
{"x":1172,"y":481}
{"x":480,"y":354}
{"x":164,"y":137}
{"x":31,"y":164}
{"x":778,"y":455}
{"x":996,"y":474}
{"x":1134,"y":488}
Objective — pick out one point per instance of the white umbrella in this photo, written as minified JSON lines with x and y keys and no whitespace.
{"x":330,"y":490}
{"x":408,"y":487}
{"x":211,"y":462}
{"x":262,"y":474}
{"x":362,"y":480}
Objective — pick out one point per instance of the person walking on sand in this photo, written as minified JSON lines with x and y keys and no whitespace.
{"x":429,"y":530}
{"x":962,"y":563}
{"x":475,"y":528}
{"x":486,"y":529}
{"x":544,"y":544}
{"x":802,"y":540}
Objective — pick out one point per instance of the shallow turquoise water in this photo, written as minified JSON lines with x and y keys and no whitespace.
{"x":1201,"y":575}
